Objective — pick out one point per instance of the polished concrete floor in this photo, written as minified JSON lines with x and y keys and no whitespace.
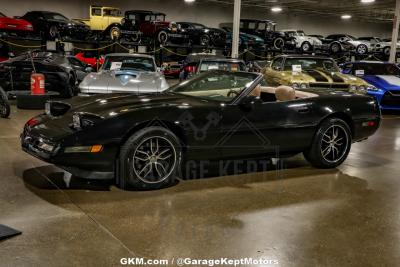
{"x":299,"y":216}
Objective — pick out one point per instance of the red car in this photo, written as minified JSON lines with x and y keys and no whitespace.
{"x":90,"y":58}
{"x":14,"y":25}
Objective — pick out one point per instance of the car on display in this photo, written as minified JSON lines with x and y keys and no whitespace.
{"x":337,"y":43}
{"x":384,"y":78}
{"x":133,"y":73}
{"x":54,"y":25}
{"x":4,"y":104}
{"x":91,"y":58}
{"x":104,"y":20}
{"x":225,"y":64}
{"x":303,"y":42}
{"x":257,"y":65}
{"x":202,"y":35}
{"x":81,"y":68}
{"x":14,"y":25}
{"x":143,"y":140}
{"x":172,"y":69}
{"x":266,"y":29}
{"x":153,"y":26}
{"x":192,"y":61}
{"x":312,"y":72}
{"x":381,"y":46}
{"x":60,"y":74}
{"x":245,"y":40}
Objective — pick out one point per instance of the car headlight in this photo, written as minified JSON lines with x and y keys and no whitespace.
{"x":353,"y":87}
{"x":372,"y":88}
{"x":303,"y":86}
{"x":295,"y":85}
{"x":84,"y":120}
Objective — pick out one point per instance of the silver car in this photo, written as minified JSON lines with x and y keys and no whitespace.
{"x":122,"y":72}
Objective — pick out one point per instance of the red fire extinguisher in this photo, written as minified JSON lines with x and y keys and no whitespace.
{"x":37,"y":84}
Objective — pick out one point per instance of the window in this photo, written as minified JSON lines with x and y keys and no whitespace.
{"x":277,"y":64}
{"x":311,"y":64}
{"x":96,"y":11}
{"x":56,"y":16}
{"x":221,"y":65}
{"x":252,"y":25}
{"x":112,"y":12}
{"x":129,"y":63}
{"x":132,"y":17}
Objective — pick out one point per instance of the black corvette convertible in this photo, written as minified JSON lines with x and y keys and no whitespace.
{"x":142,"y":140}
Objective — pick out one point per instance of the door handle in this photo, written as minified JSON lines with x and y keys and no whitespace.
{"x":303,"y":110}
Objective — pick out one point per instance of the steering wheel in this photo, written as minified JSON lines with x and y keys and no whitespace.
{"x":232,"y":92}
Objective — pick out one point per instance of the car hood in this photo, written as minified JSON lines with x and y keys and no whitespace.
{"x":111,"y":105}
{"x":384,"y":82}
{"x":319,"y":76}
{"x":120,"y":80}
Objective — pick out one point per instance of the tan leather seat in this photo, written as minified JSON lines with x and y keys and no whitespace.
{"x":256,"y":91}
{"x":285,"y":93}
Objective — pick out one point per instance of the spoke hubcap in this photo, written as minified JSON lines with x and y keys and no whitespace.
{"x":334,"y":143}
{"x":154,"y":160}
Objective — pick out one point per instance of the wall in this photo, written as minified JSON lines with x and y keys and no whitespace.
{"x":208,"y":13}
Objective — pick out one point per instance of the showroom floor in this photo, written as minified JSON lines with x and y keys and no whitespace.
{"x":299,"y":216}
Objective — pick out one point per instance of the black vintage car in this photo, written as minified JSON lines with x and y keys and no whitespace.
{"x":61,"y":73}
{"x":202,"y":35}
{"x":266,"y":29}
{"x":143,"y":140}
{"x":55,"y":25}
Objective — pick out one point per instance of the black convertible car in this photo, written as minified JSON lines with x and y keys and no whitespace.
{"x":61,"y":73}
{"x":142,"y":140}
{"x":202,"y":35}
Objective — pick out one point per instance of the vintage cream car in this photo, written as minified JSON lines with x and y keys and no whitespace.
{"x":105,"y":19}
{"x":310,"y":72}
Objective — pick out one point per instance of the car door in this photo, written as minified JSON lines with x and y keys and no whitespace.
{"x":266,"y":128}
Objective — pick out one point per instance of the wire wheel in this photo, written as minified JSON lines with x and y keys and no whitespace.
{"x":154,"y":160}
{"x":306,"y":47}
{"x":53,"y":31}
{"x":115,"y":33}
{"x":362,"y":49}
{"x":279,"y":43}
{"x":162,"y":37}
{"x":205,"y":40}
{"x":334,"y":144}
{"x":335,"y":48}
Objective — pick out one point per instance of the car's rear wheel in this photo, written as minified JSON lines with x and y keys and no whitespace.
{"x":4,"y":104}
{"x":150,"y":159}
{"x":362,"y":49}
{"x":279,"y":43}
{"x":115,"y":33}
{"x":331,"y":144}
{"x":386,"y":51}
{"x":53,"y":32}
{"x":306,"y":47}
{"x":162,"y":37}
{"x":205,"y":40}
{"x":335,"y":48}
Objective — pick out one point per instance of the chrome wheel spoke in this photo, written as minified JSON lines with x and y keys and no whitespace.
{"x":334,"y":143}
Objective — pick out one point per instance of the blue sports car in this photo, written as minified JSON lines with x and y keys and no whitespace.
{"x":384,"y":78}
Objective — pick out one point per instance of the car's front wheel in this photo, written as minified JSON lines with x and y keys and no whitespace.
{"x":150,"y":159}
{"x":306,"y":47}
{"x":362,"y":49}
{"x":331,"y":144}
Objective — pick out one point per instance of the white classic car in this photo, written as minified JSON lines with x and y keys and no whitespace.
{"x":125,"y":73}
{"x":304,"y":43}
{"x":381,"y":47}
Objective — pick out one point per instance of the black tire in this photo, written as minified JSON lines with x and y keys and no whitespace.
{"x":205,"y":40}
{"x":306,"y":47}
{"x":279,"y":43}
{"x":335,"y":48}
{"x":386,"y":51}
{"x":53,"y":32}
{"x":4,"y":104}
{"x":321,"y":154}
{"x":362,"y":49}
{"x":132,"y":170}
{"x":162,"y":37}
{"x":114,"y":33}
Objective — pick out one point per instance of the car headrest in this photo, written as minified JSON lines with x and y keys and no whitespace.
{"x":285,"y":93}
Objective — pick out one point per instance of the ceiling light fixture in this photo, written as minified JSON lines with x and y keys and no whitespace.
{"x":346,"y":16}
{"x":367,"y":1}
{"x":189,"y":1}
{"x":276,"y":9}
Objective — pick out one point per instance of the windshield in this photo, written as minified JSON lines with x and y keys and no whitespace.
{"x":155,"y":17}
{"x":198,"y":26}
{"x":216,"y":85}
{"x":221,"y":65}
{"x":311,"y":64}
{"x":377,"y":69}
{"x":56,"y":16}
{"x":292,"y":33}
{"x":301,"y":33}
{"x":129,"y":63}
